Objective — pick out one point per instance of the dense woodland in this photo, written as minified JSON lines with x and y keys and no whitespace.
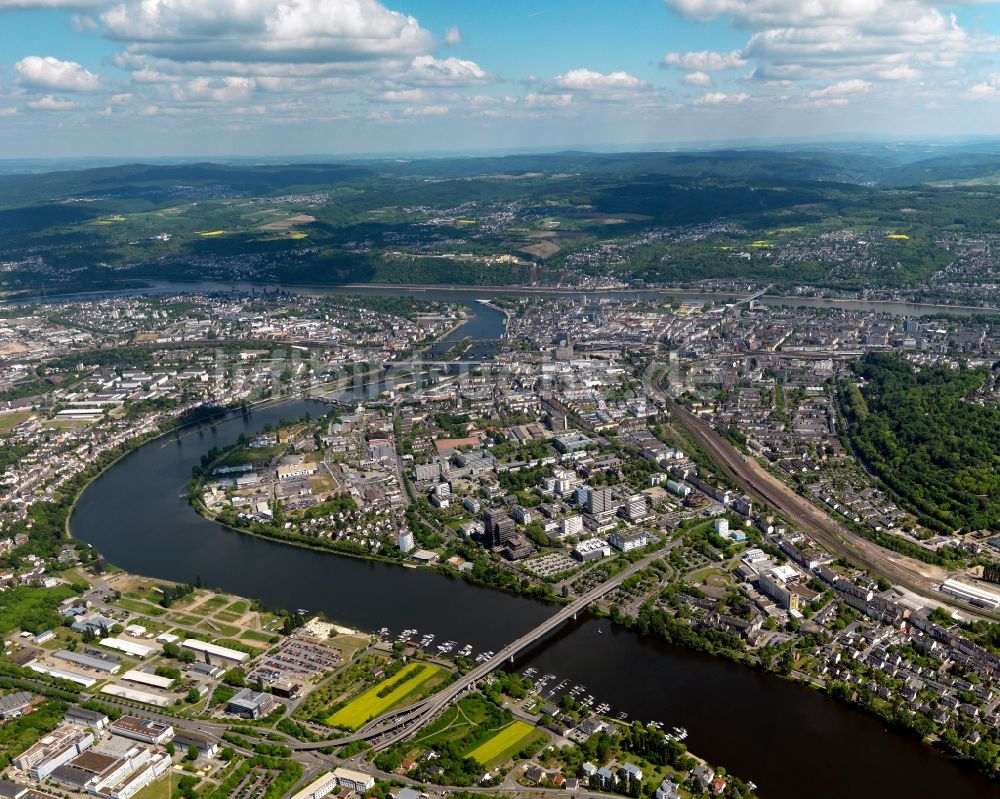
{"x":919,"y":430}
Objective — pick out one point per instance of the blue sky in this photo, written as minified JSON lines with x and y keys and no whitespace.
{"x":241,"y":77}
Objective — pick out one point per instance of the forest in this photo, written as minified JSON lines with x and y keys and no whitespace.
{"x":920,"y":432}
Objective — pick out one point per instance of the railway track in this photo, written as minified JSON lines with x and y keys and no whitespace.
{"x":898,"y":569}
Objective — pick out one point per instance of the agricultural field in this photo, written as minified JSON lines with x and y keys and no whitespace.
{"x":504,"y":745}
{"x":371,"y":704}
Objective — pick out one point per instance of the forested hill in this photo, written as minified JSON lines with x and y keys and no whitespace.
{"x":916,"y":429}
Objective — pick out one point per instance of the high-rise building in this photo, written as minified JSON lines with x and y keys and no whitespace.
{"x":499,"y":527}
{"x":404,"y":540}
{"x":599,"y":500}
{"x":634,"y":508}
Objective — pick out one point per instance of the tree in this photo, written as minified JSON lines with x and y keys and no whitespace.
{"x":235,"y":677}
{"x":192,"y":753}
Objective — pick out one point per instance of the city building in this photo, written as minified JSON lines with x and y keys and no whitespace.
{"x":145,"y":730}
{"x":776,"y":588}
{"x":86,"y":718}
{"x":354,"y":780}
{"x":635,"y":508}
{"x":591,"y":549}
{"x":185,"y":739}
{"x":323,"y":785}
{"x":53,"y":750}
{"x":599,"y":500}
{"x":15,"y":704}
{"x":499,"y":527}
{"x":250,"y":704}
{"x":627,"y":540}
{"x":214,"y":650}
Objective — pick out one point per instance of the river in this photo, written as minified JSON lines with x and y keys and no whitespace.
{"x":466,"y":295}
{"x":792,"y":741}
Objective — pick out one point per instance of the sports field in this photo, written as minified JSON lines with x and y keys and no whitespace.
{"x":369,"y":704}
{"x":509,"y":739}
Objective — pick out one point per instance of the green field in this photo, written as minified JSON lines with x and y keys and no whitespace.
{"x":253,"y":635}
{"x":369,"y":704}
{"x":140,"y":607}
{"x":9,"y":421}
{"x":188,"y":621}
{"x":504,"y":744}
{"x":219,"y":628}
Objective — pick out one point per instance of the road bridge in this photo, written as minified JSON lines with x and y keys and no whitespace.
{"x":755,"y":296}
{"x":396,"y":725}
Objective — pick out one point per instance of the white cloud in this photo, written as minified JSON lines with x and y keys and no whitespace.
{"x":404,"y":96}
{"x":8,"y":111}
{"x":799,"y":13}
{"x":902,"y":72}
{"x":428,"y":70}
{"x":453,"y":35}
{"x":50,"y":73}
{"x":587,"y":80}
{"x":426,"y":111}
{"x":827,"y":102}
{"x":844,"y":88}
{"x":150,"y":76}
{"x":704,"y":60}
{"x":50,"y":103}
{"x":289,"y":85}
{"x":266,"y":31}
{"x":544,"y":100}
{"x":700,"y":79}
{"x":721,"y":98}
{"x":227,"y":90}
{"x":989,"y":89}
{"x":982,"y":91}
{"x":816,"y":43}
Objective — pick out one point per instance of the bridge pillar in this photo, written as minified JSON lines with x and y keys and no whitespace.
{"x":512,"y":657}
{"x":574,"y":617}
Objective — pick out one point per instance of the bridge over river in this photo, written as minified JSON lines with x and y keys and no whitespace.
{"x":396,"y":725}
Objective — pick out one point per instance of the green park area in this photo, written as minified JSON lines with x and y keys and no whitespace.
{"x":472,"y":734}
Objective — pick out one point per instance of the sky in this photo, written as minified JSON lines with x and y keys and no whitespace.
{"x":133,"y":78}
